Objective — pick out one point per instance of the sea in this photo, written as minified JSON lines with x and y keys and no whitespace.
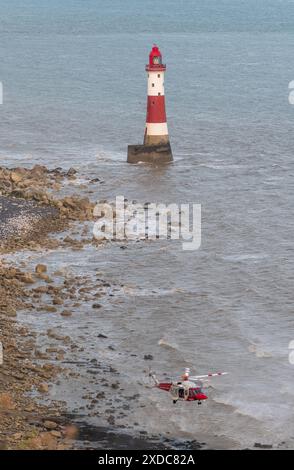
{"x":74,"y":95}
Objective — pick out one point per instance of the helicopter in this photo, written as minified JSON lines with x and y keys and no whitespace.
{"x":188,"y":388}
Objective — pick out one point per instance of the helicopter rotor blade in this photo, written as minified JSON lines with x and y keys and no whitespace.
{"x":152,"y":376}
{"x":216,"y":374}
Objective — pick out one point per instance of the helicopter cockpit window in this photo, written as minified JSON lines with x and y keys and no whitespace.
{"x":181,"y":392}
{"x":194,"y":392}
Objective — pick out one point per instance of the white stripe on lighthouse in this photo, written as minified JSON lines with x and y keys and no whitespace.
{"x":156,"y":83}
{"x":156,"y":128}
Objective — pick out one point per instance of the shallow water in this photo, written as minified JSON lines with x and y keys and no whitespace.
{"x":74,"y":95}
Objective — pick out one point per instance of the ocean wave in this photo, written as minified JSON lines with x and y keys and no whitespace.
{"x":245,"y":257}
{"x":249,"y":410}
{"x":221,"y":167}
{"x":135,"y":291}
{"x":110,"y":157}
{"x":166,"y":343}
{"x":253,"y":348}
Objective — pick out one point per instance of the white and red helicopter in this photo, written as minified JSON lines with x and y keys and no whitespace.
{"x":188,"y":388}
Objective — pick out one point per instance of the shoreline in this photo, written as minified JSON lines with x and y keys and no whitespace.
{"x":29,"y":213}
{"x":24,"y":222}
{"x":26,"y":424}
{"x":50,"y":426}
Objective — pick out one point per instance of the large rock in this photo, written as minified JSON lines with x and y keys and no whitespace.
{"x":41,"y":268}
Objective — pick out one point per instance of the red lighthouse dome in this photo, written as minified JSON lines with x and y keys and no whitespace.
{"x":155,"y":60}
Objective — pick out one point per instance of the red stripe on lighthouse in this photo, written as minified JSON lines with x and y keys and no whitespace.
{"x":156,"y":109}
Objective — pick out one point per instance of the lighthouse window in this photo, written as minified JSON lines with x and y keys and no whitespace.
{"x":152,"y":84}
{"x":159,"y":94}
{"x":156,"y":60}
{"x":158,"y":75}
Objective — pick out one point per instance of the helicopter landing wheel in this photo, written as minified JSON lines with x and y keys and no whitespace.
{"x":199,"y":403}
{"x":175,"y":401}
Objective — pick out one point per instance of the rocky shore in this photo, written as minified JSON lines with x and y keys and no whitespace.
{"x":30,"y":207}
{"x":25,"y":424}
{"x":29,"y":212}
{"x":37,"y":215}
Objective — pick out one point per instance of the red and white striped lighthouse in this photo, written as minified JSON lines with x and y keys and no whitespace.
{"x":156,"y":147}
{"x":156,"y":126}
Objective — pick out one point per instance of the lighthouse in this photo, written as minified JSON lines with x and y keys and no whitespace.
{"x":156,"y":147}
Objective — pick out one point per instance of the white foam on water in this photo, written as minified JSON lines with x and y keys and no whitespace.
{"x":168,"y":343}
{"x":110,"y":157}
{"x":260,"y":353}
{"x":245,"y":257}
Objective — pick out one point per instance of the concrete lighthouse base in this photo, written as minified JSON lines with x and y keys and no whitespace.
{"x":150,"y":153}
